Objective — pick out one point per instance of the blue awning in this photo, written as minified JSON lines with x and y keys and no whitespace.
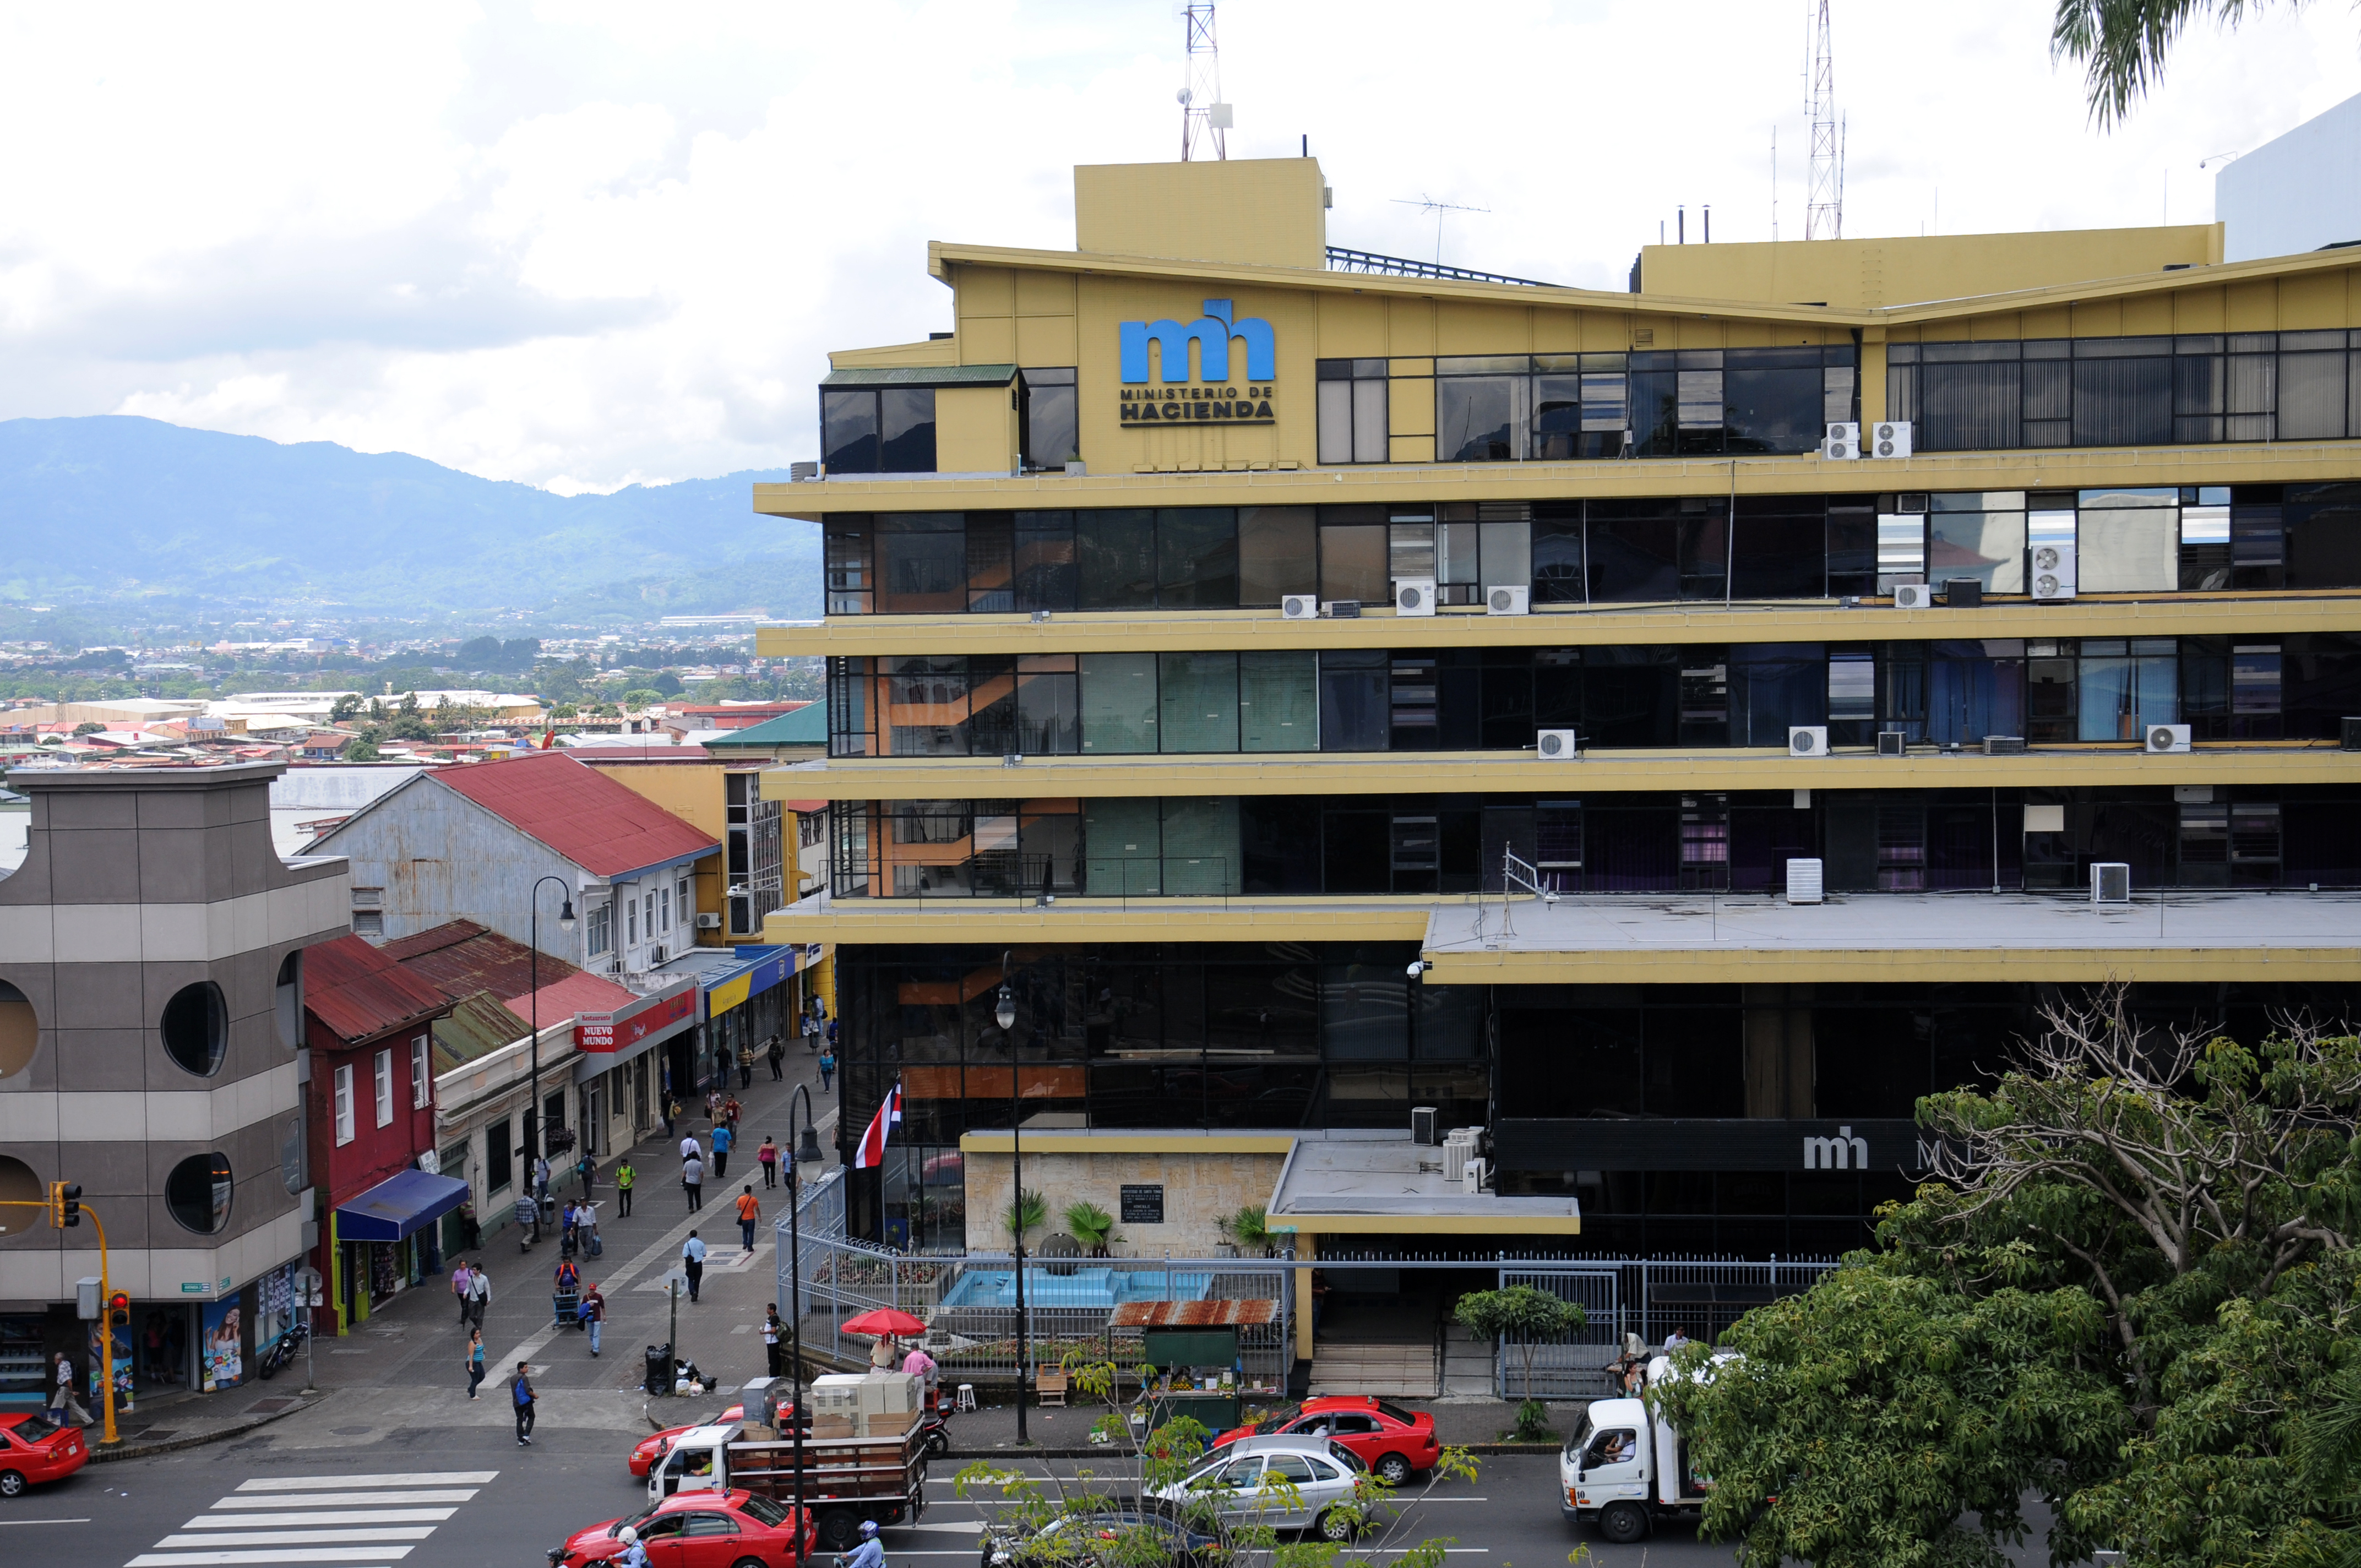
{"x":398,"y":1206}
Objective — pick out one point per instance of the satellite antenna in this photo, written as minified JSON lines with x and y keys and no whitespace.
{"x":1202,"y":112}
{"x":1429,"y":205}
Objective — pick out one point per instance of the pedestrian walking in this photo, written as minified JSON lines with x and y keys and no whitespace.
{"x":724,"y":1138}
{"x":772,"y":1329}
{"x":62,"y":1396}
{"x":827,"y":1069}
{"x":692,"y":1182}
{"x":692,"y":1263}
{"x":746,"y":1065}
{"x":730,"y":1110}
{"x":624,"y":1177}
{"x":459,"y":1278}
{"x":594,"y":1315}
{"x":522,"y":1392}
{"x":777,"y":1052}
{"x":688,"y":1146}
{"x":767,"y":1157}
{"x":671,"y":1111}
{"x":750,"y":1211}
{"x":713,"y":1105}
{"x":479,"y":1295}
{"x":587,"y":1171}
{"x":811,"y":1033}
{"x":475,"y":1361}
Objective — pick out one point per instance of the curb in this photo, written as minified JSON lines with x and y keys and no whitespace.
{"x":99,"y":1456}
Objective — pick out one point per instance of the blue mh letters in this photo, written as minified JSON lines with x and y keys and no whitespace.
{"x":1211,"y":332}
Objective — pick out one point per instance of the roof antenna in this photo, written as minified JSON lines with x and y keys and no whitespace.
{"x":1429,"y":205}
{"x":1203,"y":116}
{"x":1823,"y":209}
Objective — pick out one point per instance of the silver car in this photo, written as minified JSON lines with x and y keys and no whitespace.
{"x":1322,"y":1474}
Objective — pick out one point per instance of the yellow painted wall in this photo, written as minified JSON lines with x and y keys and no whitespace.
{"x":1264,"y":210}
{"x":975,"y":429}
{"x":931,"y":355}
{"x":1908,"y":269}
{"x":690,"y":791}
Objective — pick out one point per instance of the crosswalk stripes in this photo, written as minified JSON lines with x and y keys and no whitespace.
{"x":373,"y":1520}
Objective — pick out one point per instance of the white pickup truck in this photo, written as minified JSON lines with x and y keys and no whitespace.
{"x":1625,"y":1469}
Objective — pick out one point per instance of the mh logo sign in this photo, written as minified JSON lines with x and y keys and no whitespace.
{"x":1211,"y":397}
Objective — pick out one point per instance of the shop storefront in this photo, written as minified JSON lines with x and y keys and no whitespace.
{"x":384,"y":1242}
{"x":747,"y":1005}
{"x":624,"y":1057}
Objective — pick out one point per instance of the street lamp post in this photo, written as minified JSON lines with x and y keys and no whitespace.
{"x":1005,"y":1013}
{"x":534,"y":1137}
{"x":798,"y":1151}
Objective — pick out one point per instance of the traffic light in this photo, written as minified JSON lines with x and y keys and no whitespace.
{"x":67,"y":1203}
{"x":119,"y":1309}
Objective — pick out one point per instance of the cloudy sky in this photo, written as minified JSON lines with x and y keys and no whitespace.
{"x":592,"y":244}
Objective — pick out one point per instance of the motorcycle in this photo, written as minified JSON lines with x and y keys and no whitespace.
{"x":938,"y":1432}
{"x":282,"y":1350}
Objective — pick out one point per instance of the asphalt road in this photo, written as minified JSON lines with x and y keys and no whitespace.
{"x":469,"y":1498}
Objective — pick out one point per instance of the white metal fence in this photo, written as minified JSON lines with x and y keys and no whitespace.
{"x":1648,"y":1297}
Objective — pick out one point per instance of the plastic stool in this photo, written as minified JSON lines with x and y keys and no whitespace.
{"x":966,"y":1400}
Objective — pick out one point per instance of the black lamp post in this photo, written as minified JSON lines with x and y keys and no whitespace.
{"x":1005,"y":1013}
{"x":798,"y":1151}
{"x":533,"y":1135}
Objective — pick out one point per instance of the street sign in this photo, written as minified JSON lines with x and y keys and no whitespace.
{"x":194,"y":1287}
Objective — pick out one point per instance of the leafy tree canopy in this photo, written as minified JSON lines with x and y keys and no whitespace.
{"x":2122,"y":43}
{"x":2131,"y":1292}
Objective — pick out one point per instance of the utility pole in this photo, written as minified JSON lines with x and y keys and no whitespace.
{"x":1824,"y":208}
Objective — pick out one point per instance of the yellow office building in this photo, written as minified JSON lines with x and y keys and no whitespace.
{"x":1223,"y":627}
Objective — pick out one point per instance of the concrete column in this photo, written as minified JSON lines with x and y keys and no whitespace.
{"x":1306,"y":1247}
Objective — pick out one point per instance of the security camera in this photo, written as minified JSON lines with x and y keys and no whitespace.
{"x":1419,"y":966}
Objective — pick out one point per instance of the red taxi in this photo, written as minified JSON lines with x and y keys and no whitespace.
{"x":32,"y":1450}
{"x":651,"y":1449}
{"x":696,"y":1530}
{"x":1393,"y":1441}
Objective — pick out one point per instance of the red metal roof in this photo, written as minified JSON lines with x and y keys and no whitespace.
{"x":605,"y":827}
{"x":357,"y":993}
{"x":461,"y":957}
{"x":578,"y":992}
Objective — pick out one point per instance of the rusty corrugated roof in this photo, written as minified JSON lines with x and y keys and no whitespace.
{"x":478,"y":1025}
{"x":357,"y":993}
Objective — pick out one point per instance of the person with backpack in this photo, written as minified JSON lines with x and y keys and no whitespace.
{"x":692,"y":1182}
{"x":692,"y":1263}
{"x":522,"y":1392}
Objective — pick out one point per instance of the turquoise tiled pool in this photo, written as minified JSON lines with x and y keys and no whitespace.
{"x":1098,"y":1287}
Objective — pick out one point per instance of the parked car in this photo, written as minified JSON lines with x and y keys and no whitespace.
{"x":650,"y":1449}
{"x":32,"y":1451}
{"x":1072,"y":1537}
{"x":1245,"y":1475}
{"x":1394,"y":1441}
{"x":696,"y":1530}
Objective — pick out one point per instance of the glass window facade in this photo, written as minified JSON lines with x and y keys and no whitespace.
{"x":877,"y":430}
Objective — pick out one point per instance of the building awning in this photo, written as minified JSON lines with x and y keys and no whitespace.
{"x":726,"y":989}
{"x":398,"y":1206}
{"x":925,"y":376}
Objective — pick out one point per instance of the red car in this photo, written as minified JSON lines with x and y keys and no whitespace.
{"x":32,"y":1450}
{"x":1391,"y":1441}
{"x":698,"y":1529}
{"x":651,"y":1449}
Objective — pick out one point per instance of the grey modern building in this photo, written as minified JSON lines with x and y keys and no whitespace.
{"x":152,"y":950}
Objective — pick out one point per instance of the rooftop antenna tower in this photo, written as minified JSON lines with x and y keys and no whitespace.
{"x":1824,"y":208}
{"x":1429,"y":205}
{"x":1204,"y":118}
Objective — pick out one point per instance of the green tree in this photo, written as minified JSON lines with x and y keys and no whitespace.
{"x":347,"y":707}
{"x":1522,"y":1313}
{"x":2129,"y":1292}
{"x":641,"y":696}
{"x":88,"y":727}
{"x":2121,"y":44}
{"x":363,"y":747}
{"x":1029,"y":1212}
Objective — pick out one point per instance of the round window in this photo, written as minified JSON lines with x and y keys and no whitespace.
{"x":20,"y":1032}
{"x":19,"y":1185}
{"x":196,"y":1027}
{"x":290,"y":1000}
{"x":199,"y":1191}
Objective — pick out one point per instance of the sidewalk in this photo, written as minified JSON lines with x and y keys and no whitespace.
{"x":415,"y":1344}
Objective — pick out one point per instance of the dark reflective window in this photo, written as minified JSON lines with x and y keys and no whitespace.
{"x":1050,"y":424}
{"x":1775,"y":550}
{"x":922,"y":562}
{"x":197,"y":1192}
{"x":1633,"y":552}
{"x":195,"y":1028}
{"x":1279,"y":554}
{"x":1481,"y":419}
{"x":848,"y":422}
{"x":1043,"y":568}
{"x":1355,"y":710}
{"x":906,"y":422}
{"x":1114,"y":552}
{"x":1197,"y":558}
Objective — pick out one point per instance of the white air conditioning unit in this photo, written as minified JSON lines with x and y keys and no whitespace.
{"x":1889,"y":438}
{"x":1803,"y":881}
{"x":1808,"y":741}
{"x":1507,"y":600}
{"x":2053,"y":571}
{"x":1557,"y":746}
{"x":1300,"y":607}
{"x":709,"y":922}
{"x":1840,"y":441}
{"x":1413,"y":596}
{"x":1913,"y":596}
{"x":2164,"y":739}
{"x":2111,"y":882}
{"x":1471,"y":1177}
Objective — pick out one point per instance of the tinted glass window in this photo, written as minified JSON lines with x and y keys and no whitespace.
{"x":1279,"y":554}
{"x":849,"y":430}
{"x":195,"y":1027}
{"x":1197,"y":558}
{"x":1050,"y":429}
{"x":1043,"y":560}
{"x":1353,"y":563}
{"x":197,"y":1192}
{"x":906,"y":418}
{"x":1773,"y":410}
{"x":1118,"y":702}
{"x":1115,"y":551}
{"x":922,"y":562}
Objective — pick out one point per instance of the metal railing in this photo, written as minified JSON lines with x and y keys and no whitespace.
{"x":1341,"y":259}
{"x":991,"y":876}
{"x":1649,"y":1297}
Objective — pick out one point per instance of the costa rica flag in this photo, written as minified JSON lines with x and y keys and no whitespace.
{"x":872,"y":1152}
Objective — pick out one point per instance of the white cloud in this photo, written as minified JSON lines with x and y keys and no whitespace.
{"x":590,"y":245}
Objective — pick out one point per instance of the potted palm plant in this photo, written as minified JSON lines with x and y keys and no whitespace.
{"x":1249,"y":1229}
{"x":1091,"y":1225}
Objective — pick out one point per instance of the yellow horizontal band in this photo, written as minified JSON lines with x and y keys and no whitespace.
{"x":2054,"y":966}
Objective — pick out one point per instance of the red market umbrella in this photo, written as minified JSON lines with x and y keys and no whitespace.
{"x":884,"y":1321}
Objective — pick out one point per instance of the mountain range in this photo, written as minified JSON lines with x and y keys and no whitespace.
{"x":138,"y":515}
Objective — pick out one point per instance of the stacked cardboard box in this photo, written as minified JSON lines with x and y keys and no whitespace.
{"x":876,"y":1404}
